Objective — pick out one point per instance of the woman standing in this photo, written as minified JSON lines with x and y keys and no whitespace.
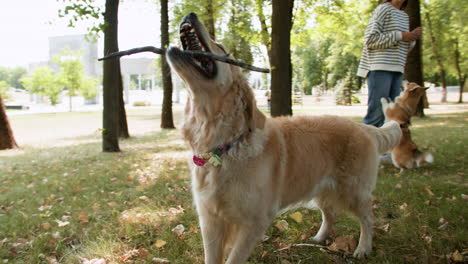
{"x":387,"y":43}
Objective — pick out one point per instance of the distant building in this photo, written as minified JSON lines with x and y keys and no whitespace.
{"x":88,"y":49}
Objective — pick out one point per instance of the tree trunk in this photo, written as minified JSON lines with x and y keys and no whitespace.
{"x":7,"y":140}
{"x":265,"y":36}
{"x":461,"y":75}
{"x":111,"y":89}
{"x":438,"y":57}
{"x":166,"y":114}
{"x":281,"y":68}
{"x":414,"y":69}
{"x":210,"y":23}
{"x":123,"y":125}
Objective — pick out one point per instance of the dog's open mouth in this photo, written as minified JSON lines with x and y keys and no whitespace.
{"x":191,"y":39}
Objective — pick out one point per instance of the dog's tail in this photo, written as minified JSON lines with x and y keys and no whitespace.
{"x":386,"y":137}
{"x":424,"y":158}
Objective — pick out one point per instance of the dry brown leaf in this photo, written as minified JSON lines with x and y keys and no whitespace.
{"x":159,"y":260}
{"x":93,"y":261}
{"x":46,"y":226}
{"x":282,"y":225}
{"x":297,"y":216}
{"x":428,"y":190}
{"x":83,"y":219}
{"x":385,"y":228}
{"x":160,"y":243}
{"x":457,"y":257}
{"x":346,"y":244}
{"x":464,"y":196}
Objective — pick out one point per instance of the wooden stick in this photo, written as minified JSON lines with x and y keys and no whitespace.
{"x":212,"y":56}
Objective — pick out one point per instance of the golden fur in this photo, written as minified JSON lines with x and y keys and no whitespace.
{"x":406,"y":154}
{"x":282,"y":163}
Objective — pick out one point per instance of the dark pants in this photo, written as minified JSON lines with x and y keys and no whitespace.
{"x":381,"y":84}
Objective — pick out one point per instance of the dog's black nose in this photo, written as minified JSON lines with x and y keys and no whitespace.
{"x":191,"y":16}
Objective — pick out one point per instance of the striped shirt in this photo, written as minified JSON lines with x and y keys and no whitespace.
{"x":384,"y":49}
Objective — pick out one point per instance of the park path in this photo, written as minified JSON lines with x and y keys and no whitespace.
{"x":38,"y":130}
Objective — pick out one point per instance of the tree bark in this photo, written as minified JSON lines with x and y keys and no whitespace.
{"x":167,"y":120}
{"x":111,"y":89}
{"x":7,"y":140}
{"x":281,"y":67}
{"x":414,"y":69}
{"x":123,"y":125}
{"x":461,"y":75}
{"x":210,"y":23}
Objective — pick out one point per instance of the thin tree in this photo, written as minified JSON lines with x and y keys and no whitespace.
{"x":281,"y":67}
{"x":81,"y":10}
{"x":111,"y":90}
{"x":166,"y":114}
{"x":437,"y":55}
{"x":7,"y":140}
{"x":460,"y":73}
{"x":414,"y":68}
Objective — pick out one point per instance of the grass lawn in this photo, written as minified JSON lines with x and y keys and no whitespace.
{"x":72,"y":204}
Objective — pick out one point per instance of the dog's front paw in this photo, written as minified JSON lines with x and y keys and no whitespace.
{"x":361,"y":253}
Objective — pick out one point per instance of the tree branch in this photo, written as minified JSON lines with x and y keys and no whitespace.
{"x":212,"y":56}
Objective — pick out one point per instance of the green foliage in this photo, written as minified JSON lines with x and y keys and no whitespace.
{"x":4,"y":91}
{"x":44,"y":81}
{"x":12,"y":76}
{"x":449,"y":27}
{"x":72,"y":77}
{"x":80,"y":10}
{"x":237,"y":39}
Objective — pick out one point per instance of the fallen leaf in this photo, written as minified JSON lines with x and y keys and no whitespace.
{"x":346,"y":244}
{"x":93,"y":261}
{"x":297,"y":216}
{"x":46,"y":226}
{"x":457,"y":257}
{"x":52,"y":260}
{"x":398,"y":186}
{"x":282,"y":225}
{"x":464,"y":196}
{"x":62,"y":223}
{"x":160,"y":243}
{"x":83,"y":218}
{"x":385,"y":228}
{"x":144,"y":198}
{"x":403,"y":206}
{"x":179,"y":229}
{"x":159,"y":260}
{"x":428,"y":190}
{"x":428,"y":239}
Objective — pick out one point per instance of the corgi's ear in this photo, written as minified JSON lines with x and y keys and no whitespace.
{"x":412,"y":87}
{"x":385,"y":101}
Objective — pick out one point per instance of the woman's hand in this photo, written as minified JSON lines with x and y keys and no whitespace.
{"x":413,"y":35}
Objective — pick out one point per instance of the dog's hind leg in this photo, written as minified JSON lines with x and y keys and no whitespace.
{"x":363,"y":210}
{"x":328,"y":217}
{"x":248,"y":235}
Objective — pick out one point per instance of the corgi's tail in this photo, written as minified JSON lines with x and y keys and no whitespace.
{"x":387,"y":137}
{"x":424,"y":158}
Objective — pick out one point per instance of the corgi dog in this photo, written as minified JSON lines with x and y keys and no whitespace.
{"x":406,"y":154}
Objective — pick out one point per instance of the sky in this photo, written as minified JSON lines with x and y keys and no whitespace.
{"x":26,"y":25}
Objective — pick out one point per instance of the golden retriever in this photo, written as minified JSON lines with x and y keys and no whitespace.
{"x":246,"y":168}
{"x":406,"y":154}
